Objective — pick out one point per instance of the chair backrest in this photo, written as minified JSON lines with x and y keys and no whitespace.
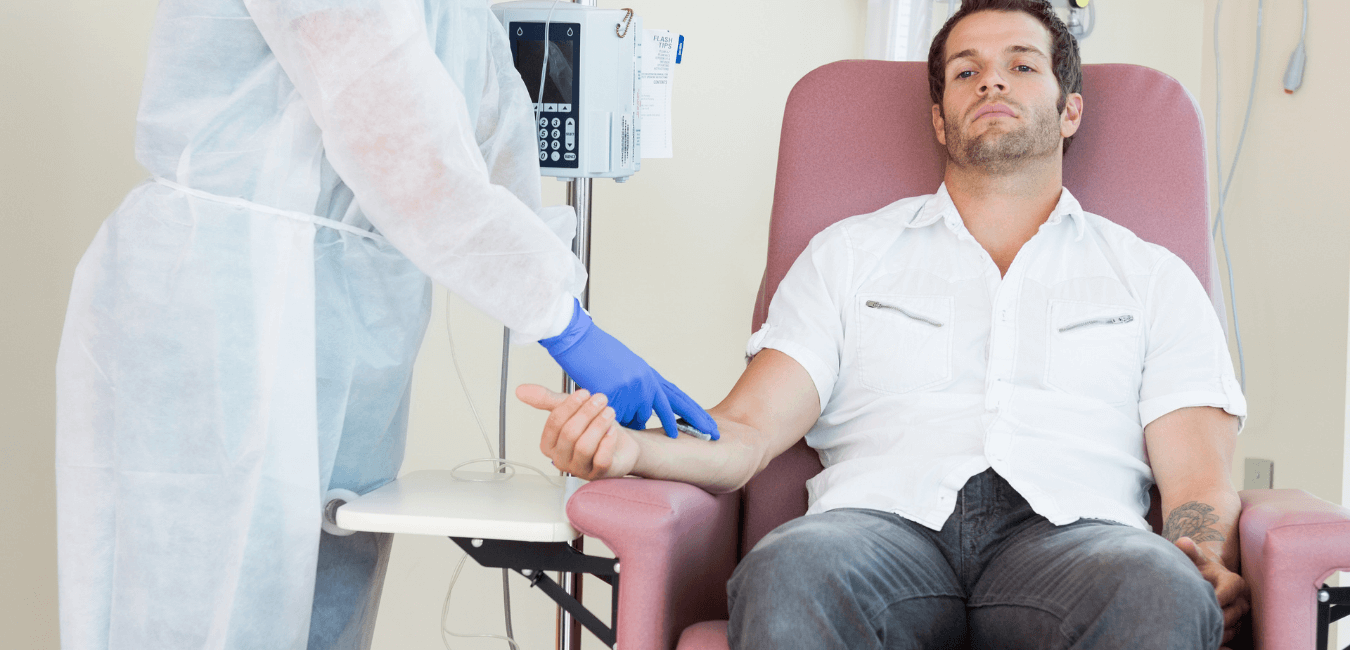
{"x":858,"y":135}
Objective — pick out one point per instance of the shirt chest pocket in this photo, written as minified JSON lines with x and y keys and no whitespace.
{"x":904,"y":342}
{"x":1095,"y":350}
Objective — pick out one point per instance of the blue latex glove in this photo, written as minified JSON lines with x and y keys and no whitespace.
{"x":599,"y":363}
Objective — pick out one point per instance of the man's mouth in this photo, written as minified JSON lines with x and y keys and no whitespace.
{"x":993,"y":110}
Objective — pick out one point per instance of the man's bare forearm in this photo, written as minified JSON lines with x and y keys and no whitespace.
{"x":1191,"y":451}
{"x":769,"y":409}
{"x":716,"y":466}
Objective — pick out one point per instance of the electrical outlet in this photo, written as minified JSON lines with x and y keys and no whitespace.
{"x":1258,"y":474}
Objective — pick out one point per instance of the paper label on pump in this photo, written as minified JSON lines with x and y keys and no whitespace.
{"x":658,"y":75}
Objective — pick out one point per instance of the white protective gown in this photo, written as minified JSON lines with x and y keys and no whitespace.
{"x":241,"y":332}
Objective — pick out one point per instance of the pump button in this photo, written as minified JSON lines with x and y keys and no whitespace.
{"x":555,"y":156}
{"x":543,"y":155}
{"x":571,"y":125}
{"x":571,"y":142}
{"x":569,"y":157}
{"x":564,"y":108}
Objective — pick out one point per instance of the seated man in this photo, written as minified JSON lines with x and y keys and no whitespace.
{"x":992,"y":378}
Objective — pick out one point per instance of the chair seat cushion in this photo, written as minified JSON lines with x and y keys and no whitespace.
{"x":708,"y":635}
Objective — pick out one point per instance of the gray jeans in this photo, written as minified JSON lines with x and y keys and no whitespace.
{"x":996,"y":576}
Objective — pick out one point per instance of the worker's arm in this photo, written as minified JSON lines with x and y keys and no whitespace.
{"x":771,"y":407}
{"x":1191,"y":452}
{"x":397,"y":129}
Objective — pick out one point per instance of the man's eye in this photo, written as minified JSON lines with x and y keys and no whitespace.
{"x":1024,"y":68}
{"x":965,"y":74}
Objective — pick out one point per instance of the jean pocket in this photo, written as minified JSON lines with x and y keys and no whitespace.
{"x":1094,"y":350}
{"x":904,"y":342}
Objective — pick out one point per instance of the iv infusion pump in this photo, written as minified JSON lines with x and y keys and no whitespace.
{"x":587,"y":116}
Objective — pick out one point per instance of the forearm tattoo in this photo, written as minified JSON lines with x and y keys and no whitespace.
{"x":1194,"y":520}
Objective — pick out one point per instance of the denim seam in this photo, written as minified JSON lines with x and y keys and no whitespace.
{"x":1063,"y":618}
{"x":872,"y":619}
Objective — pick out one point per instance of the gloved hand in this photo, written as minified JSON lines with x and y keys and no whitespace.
{"x":599,"y":363}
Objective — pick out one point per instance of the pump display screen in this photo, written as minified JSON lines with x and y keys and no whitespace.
{"x":561,"y":69}
{"x":557,"y":112}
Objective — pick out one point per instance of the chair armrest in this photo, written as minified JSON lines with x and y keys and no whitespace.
{"x":676,"y":546}
{"x":1292,"y":541}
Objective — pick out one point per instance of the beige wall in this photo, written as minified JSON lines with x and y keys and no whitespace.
{"x":1289,"y":235}
{"x":68,"y":90}
{"x":678,"y":253}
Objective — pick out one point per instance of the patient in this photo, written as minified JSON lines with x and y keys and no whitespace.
{"x":993,"y":378}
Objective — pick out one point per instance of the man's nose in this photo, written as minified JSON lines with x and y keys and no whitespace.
{"x":993,"y":82}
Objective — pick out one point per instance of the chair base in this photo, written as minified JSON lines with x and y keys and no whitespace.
{"x":1333,"y":604}
{"x":533,"y":559}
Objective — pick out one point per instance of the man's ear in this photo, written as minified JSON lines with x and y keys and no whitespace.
{"x":939,"y":125}
{"x":1072,"y":116}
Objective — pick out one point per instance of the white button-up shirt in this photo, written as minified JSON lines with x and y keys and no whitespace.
{"x":932,"y":368}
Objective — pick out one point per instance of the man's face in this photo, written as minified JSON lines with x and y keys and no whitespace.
{"x":999,"y":108}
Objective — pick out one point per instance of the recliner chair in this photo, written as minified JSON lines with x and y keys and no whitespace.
{"x":857,"y":135}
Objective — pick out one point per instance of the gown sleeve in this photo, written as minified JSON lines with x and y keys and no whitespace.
{"x":397,"y":130}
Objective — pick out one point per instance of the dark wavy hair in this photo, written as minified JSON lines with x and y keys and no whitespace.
{"x":1064,"y":47}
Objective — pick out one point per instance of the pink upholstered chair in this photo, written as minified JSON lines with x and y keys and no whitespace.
{"x":857,"y":135}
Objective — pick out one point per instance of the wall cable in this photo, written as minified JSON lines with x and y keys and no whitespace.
{"x":1220,"y":226}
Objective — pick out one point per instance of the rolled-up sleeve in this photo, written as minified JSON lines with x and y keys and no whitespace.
{"x":804,"y":319}
{"x":1187,"y":361}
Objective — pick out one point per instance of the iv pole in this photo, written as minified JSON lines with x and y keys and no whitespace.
{"x":579,"y":197}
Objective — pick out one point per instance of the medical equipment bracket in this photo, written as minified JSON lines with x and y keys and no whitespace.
{"x":1333,"y":604}
{"x":533,"y":559}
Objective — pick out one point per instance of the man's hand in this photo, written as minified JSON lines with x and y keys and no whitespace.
{"x":581,"y":436}
{"x":1229,"y":587}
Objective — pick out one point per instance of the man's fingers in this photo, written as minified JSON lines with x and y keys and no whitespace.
{"x":583,"y":452}
{"x":1232,"y":615}
{"x":604,"y":453}
{"x":1232,"y":595}
{"x":1188,"y":546}
{"x":1230,"y":589}
{"x":576,"y":425}
{"x":539,"y":397}
{"x":561,"y":413}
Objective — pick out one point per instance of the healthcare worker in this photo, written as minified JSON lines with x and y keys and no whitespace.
{"x":241,"y":333}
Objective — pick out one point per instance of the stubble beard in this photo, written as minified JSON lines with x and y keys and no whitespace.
{"x":1001,"y":153}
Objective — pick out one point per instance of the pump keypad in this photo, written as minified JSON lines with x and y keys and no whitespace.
{"x":557,"y":134}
